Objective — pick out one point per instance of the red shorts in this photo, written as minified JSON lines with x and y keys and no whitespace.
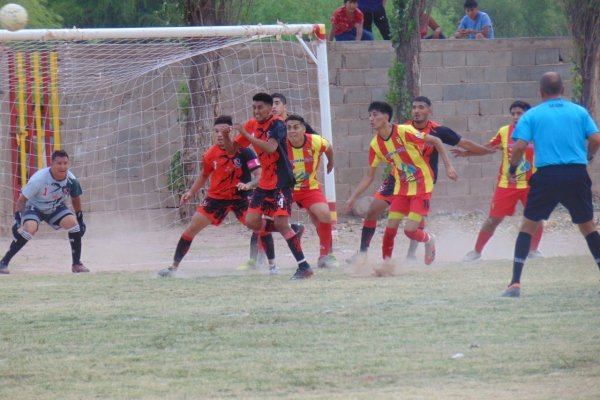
{"x":272,"y":203}
{"x":381,"y":196}
{"x":416,"y":204}
{"x":505,"y":201}
{"x":306,"y":198}
{"x":386,"y":190}
{"x":217,"y":209}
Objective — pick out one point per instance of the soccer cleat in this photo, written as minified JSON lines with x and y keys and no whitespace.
{"x":78,"y":268}
{"x":513,"y":290}
{"x":430,"y":250}
{"x":250,"y":264}
{"x":299,"y":229}
{"x":302,"y":273}
{"x":273,"y":270}
{"x":167,"y":272}
{"x":328,"y":261}
{"x":4,"y":268}
{"x":361,"y":255}
{"x":535,"y":254}
{"x":471,"y":256}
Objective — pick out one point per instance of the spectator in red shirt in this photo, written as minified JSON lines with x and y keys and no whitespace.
{"x":347,"y":23}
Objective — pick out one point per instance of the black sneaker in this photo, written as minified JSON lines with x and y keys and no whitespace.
{"x":79,"y":268}
{"x":302,"y":273}
{"x":4,"y":268}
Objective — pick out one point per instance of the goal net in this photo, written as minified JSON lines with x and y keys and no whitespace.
{"x":134,"y":107}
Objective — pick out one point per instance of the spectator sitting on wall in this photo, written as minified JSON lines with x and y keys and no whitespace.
{"x":347,"y":23}
{"x":476,"y":24}
{"x":426,"y":21}
{"x":374,"y":11}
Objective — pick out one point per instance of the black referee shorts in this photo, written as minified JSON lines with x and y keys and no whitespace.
{"x":569,"y":185}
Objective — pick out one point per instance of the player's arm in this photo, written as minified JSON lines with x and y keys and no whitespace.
{"x":468,"y":148}
{"x":593,"y":146}
{"x":231,"y":147}
{"x":268,"y":147}
{"x":359,"y":31}
{"x":253,"y":182}
{"x":21,"y":201}
{"x":439,"y":146}
{"x":362,"y":186}
{"x":329,"y":155}
{"x":198,"y":184}
{"x":518,"y":150}
{"x":76,"y":202}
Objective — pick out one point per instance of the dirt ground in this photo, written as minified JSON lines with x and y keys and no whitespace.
{"x":120,"y":246}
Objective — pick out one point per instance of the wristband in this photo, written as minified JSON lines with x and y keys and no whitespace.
{"x":512,"y":169}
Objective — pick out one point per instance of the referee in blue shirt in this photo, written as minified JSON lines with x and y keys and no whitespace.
{"x":565,"y":139}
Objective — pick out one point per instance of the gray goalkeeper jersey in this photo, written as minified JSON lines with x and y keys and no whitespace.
{"x":46,"y":193}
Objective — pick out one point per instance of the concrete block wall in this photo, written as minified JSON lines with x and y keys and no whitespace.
{"x":471,"y":85}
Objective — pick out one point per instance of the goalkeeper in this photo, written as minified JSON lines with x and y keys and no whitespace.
{"x":43,"y":199}
{"x":231,"y":178}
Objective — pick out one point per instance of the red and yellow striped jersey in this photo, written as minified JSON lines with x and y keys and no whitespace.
{"x":305,"y":160}
{"x":404,"y":150}
{"x":525,"y":169}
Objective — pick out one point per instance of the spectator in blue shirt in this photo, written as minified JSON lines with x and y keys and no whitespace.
{"x":476,"y":24}
{"x":374,"y":11}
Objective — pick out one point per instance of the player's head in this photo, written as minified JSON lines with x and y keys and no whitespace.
{"x":517,"y":109}
{"x":551,"y":85}
{"x":60,"y":164}
{"x":296,"y":128}
{"x":351,"y":5}
{"x":380,"y":114}
{"x":421,"y":108}
{"x":279,"y":105}
{"x":262,"y":106}
{"x":221,"y":126}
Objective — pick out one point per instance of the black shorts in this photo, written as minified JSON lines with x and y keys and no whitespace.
{"x":53,"y":219}
{"x":272,"y":203}
{"x":217,"y":209}
{"x":569,"y":185}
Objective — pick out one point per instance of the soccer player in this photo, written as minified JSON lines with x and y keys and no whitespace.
{"x":421,"y":111}
{"x":508,"y":193}
{"x":231,"y":176}
{"x":403,"y":147}
{"x":273,"y":196}
{"x":304,"y":151}
{"x":43,"y":199}
{"x":566,"y":140}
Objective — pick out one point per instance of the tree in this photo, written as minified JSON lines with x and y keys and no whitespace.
{"x":584,"y":16}
{"x":203,"y":83}
{"x":404,"y":74}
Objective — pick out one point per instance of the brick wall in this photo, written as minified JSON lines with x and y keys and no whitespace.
{"x":471,"y":85}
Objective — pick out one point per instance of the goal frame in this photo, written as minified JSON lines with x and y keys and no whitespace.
{"x":257,"y":31}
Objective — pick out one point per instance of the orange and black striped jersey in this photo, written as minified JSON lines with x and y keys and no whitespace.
{"x":227,"y":171}
{"x":503,"y":139}
{"x":305,"y":161}
{"x":404,"y":149}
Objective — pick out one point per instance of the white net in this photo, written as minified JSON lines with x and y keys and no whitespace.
{"x":135,"y":115}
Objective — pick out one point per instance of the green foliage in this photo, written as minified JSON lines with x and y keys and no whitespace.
{"x":176,"y":182}
{"x":183,"y":95}
{"x":397,"y":95}
{"x":39,"y":14}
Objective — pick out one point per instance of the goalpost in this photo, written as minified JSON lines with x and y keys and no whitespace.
{"x":134,"y":107}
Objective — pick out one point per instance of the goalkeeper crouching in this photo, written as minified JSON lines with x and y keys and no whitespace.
{"x":43,"y":199}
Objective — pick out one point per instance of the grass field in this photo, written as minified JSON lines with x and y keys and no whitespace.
{"x":440,"y":332}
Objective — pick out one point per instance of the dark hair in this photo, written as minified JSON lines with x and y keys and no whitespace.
{"x":470,"y":4}
{"x":59,"y":153}
{"x":264,"y":97}
{"x":280,"y":97}
{"x":295,"y":117}
{"x":223,"y":119}
{"x":422,"y":99}
{"x":350,"y":1}
{"x":551,"y":83}
{"x":520,"y":104}
{"x":383,"y":108}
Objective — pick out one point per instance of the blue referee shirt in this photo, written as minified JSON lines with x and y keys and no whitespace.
{"x":558,"y":129}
